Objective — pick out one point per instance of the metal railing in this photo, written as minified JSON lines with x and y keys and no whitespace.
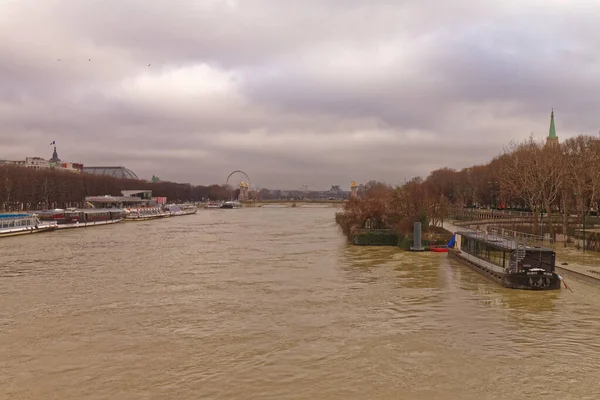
{"x":518,"y":237}
{"x":377,"y":231}
{"x":501,"y":241}
{"x":503,"y":213}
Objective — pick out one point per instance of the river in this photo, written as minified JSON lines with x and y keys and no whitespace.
{"x":272,"y":304}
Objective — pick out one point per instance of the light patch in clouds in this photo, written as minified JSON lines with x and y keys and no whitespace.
{"x":320,"y":92}
{"x":189,"y":83}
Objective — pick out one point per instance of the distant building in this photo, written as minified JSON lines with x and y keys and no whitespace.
{"x":128,"y":199}
{"x":42,"y":163}
{"x":552,"y":139}
{"x":117,"y":172}
{"x":34,"y":162}
{"x":69,"y":166}
{"x":29,"y":162}
{"x":54,"y":159}
{"x":141,"y":194}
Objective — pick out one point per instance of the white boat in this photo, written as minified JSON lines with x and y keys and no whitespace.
{"x":23,"y":224}
{"x":145,"y":213}
{"x":188,"y":208}
{"x":231,"y":204}
{"x":180,"y":209}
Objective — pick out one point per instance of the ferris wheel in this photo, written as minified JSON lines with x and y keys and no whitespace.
{"x":238,"y":180}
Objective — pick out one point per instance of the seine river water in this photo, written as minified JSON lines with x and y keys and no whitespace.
{"x":272,"y":304}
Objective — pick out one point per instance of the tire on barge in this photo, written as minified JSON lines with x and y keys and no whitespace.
{"x":503,"y":259}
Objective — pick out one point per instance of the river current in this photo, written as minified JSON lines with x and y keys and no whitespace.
{"x":271,"y":303}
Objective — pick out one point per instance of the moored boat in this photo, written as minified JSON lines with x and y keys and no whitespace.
{"x":177,"y":210}
{"x":23,"y":224}
{"x":212,"y":204}
{"x":507,"y":259}
{"x":144,"y":213}
{"x":188,"y":208}
{"x":81,"y":218}
{"x":231,"y":204}
{"x":438,"y":249}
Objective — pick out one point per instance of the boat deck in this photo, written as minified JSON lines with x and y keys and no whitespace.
{"x":501,"y":241}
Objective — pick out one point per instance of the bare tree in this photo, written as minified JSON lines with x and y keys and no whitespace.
{"x":523,"y":176}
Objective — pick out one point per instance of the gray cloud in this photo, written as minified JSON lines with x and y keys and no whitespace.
{"x":317,"y":93}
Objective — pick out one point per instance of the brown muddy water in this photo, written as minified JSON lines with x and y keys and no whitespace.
{"x":272,"y":304}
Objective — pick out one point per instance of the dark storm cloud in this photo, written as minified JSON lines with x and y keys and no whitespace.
{"x":313,"y":93}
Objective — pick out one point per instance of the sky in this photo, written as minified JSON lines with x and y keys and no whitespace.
{"x":313,"y":93}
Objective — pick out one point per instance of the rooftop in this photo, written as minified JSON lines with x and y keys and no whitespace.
{"x":114,"y":199}
{"x":507,"y":241}
{"x":115,"y":171}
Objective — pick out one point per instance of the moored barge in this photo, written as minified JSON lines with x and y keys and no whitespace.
{"x":508,"y":260}
{"x":81,"y":218}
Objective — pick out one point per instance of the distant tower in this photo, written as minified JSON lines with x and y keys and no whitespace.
{"x":55,"y":158}
{"x":552,"y":139}
{"x":353,"y":188}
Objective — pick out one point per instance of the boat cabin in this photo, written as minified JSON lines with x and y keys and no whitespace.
{"x":11,"y":221}
{"x":504,"y":253}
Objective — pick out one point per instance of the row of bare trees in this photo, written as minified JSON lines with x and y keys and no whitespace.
{"x":531,"y":176}
{"x":29,"y":189}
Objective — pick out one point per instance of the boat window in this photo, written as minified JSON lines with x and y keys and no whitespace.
{"x":483,"y":250}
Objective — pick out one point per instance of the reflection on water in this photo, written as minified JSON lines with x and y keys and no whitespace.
{"x":272,"y":304}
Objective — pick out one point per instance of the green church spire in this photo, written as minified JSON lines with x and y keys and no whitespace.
{"x":552,"y":134}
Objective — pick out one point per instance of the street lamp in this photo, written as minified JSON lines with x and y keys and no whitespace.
{"x":583,"y":215}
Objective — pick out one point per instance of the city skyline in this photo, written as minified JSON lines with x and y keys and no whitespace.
{"x":320,"y":94}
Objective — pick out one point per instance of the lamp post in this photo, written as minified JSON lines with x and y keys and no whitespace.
{"x":542,"y":226}
{"x":583,"y":214}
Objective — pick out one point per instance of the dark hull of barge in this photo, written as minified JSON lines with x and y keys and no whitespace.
{"x":522,"y":280}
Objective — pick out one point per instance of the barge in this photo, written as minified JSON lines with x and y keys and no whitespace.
{"x":81,"y":218}
{"x":508,"y":260}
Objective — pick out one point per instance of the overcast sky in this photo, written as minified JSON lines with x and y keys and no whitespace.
{"x":314,"y":92}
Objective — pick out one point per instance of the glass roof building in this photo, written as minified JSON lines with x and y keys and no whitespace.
{"x":117,"y":172}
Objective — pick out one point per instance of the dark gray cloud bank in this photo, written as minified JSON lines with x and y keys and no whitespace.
{"x":294,"y":93}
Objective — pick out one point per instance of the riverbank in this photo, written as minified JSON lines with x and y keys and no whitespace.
{"x":434,"y":236}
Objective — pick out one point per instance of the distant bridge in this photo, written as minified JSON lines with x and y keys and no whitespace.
{"x":294,"y":203}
